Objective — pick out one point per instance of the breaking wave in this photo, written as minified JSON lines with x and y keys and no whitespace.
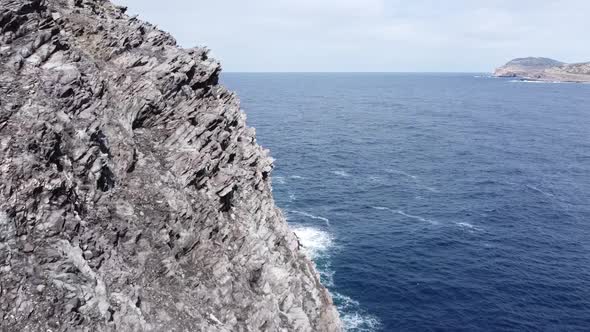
{"x":341,"y":173}
{"x":317,"y":244}
{"x":352,"y":316}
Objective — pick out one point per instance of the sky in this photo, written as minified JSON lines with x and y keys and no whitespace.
{"x":373,"y":35}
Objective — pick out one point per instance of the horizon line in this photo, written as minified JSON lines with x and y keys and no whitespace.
{"x":355,"y":72}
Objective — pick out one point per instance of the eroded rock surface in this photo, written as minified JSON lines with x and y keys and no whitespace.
{"x":133,"y":197}
{"x":544,"y":69}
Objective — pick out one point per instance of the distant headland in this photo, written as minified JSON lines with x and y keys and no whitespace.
{"x":545,"y":69}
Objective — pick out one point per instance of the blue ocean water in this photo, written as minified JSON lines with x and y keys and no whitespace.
{"x":434,"y":202}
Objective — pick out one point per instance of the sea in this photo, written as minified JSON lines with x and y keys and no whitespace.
{"x":434,"y":202}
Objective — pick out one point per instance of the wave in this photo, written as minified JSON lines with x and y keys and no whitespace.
{"x":400,"y":212}
{"x":316,"y":245}
{"x":375,"y":179}
{"x":413,"y":177}
{"x":311,"y":216}
{"x":279,"y":180}
{"x":540,"y":82}
{"x":297,"y":177}
{"x":341,"y":173}
{"x":292,"y":197}
{"x":359,"y":323}
{"x":432,"y":190}
{"x":397,"y":171}
{"x":315,"y":242}
{"x":539,"y":190}
{"x":468,"y":226}
{"x":353,"y":318}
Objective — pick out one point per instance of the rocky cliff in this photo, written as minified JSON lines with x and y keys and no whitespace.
{"x":133,"y":197}
{"x":544,"y":69}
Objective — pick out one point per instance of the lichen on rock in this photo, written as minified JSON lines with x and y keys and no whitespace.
{"x":133,"y":196}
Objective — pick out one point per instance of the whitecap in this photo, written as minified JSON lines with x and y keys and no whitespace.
{"x":381,"y":208}
{"x":297,"y":177}
{"x":397,"y":171}
{"x":315,"y":242}
{"x":341,"y":173}
{"x":468,"y":226}
{"x":292,"y":197}
{"x":311,"y":216}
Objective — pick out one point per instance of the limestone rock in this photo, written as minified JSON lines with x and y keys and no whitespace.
{"x":133,"y":197}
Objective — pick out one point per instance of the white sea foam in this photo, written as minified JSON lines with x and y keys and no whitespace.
{"x":540,"y":82}
{"x":400,"y":212}
{"x":297,"y":177}
{"x":311,"y":216}
{"x":468,"y":226}
{"x":539,"y":190}
{"x":359,"y":323}
{"x":397,"y":171}
{"x":292,"y":197}
{"x":315,"y":242}
{"x":433,"y":190}
{"x":279,"y":180}
{"x":345,"y":302}
{"x":375,"y":179}
{"x":341,"y":173}
{"x":414,"y":178}
{"x":416,"y":217}
{"x":352,"y":316}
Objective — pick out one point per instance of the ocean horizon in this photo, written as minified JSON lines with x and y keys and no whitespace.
{"x":433,"y":201}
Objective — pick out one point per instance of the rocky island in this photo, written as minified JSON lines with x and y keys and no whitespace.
{"x":133,"y":197}
{"x":545,"y":69}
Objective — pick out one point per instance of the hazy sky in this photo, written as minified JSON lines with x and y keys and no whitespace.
{"x":374,"y":35}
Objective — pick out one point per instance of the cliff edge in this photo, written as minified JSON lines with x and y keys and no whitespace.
{"x":544,"y":69}
{"x":133,"y":197}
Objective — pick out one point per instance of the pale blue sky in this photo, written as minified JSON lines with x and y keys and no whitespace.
{"x":374,"y":35}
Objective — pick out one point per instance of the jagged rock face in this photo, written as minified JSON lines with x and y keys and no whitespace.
{"x":132,"y":194}
{"x":544,"y":69}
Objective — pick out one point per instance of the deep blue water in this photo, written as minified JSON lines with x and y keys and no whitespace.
{"x":434,"y":202}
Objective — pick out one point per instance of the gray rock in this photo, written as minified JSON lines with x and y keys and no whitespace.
{"x":133,"y":196}
{"x":545,"y":69}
